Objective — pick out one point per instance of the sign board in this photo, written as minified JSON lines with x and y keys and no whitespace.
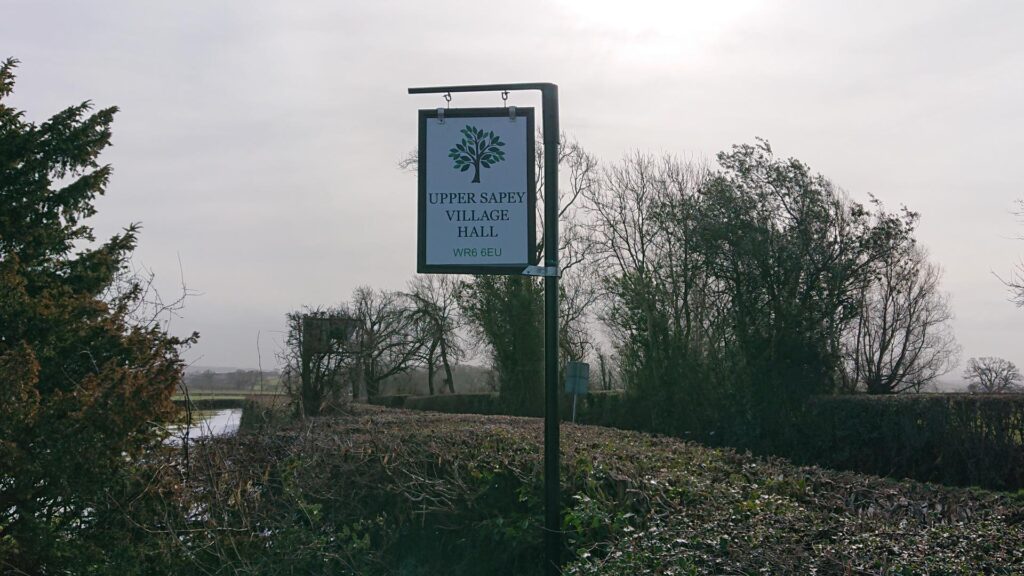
{"x":320,"y":334}
{"x":577,"y":378}
{"x":477,"y":191}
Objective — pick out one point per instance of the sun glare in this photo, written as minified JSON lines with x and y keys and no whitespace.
{"x":657,"y":31}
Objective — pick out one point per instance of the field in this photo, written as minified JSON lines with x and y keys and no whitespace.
{"x":384,"y":491}
{"x":215,"y":400}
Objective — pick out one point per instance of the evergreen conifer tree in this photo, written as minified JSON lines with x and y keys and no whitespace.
{"x":82,"y":379}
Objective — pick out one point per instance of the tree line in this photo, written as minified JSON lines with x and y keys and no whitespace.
{"x":376,"y":335}
{"x":717,"y":292}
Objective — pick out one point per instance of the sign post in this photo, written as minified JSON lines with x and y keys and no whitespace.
{"x":479,"y":146}
{"x":577,"y":380}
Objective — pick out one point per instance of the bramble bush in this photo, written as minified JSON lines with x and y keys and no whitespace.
{"x":381,"y":491}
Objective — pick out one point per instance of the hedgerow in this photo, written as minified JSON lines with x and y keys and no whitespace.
{"x":397,"y":492}
{"x":958,"y":439}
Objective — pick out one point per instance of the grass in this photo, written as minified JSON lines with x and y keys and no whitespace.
{"x":221,"y":395}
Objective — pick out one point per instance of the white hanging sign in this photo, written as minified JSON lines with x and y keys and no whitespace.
{"x":477,"y":191}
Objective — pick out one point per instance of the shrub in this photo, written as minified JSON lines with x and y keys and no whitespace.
{"x":381,"y":492}
{"x":457,"y":404}
{"x":86,"y":367}
{"x":391,"y":401}
{"x":263,"y":413}
{"x":959,"y":439}
{"x":955,"y":439}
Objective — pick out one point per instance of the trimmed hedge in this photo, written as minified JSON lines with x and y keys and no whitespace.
{"x":457,"y":403}
{"x":954,"y":439}
{"x":377,"y":492}
{"x":605,"y":408}
{"x":263,"y":413}
{"x":201,"y":403}
{"x":959,"y":439}
{"x":392,"y":401}
{"x":612,"y":408}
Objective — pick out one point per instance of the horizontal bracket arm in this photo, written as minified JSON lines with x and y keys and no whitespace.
{"x":542,"y":271}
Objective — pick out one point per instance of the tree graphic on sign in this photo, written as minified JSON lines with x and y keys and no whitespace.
{"x":478,"y":148}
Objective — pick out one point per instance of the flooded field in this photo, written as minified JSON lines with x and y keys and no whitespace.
{"x":208,"y":424}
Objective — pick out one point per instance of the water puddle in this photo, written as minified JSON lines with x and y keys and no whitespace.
{"x":221,"y":423}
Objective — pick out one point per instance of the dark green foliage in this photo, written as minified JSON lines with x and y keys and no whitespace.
{"x":614,"y":409}
{"x":261,"y":414}
{"x":604,"y":408}
{"x":955,"y":439}
{"x":792,"y":256}
{"x":458,"y":404}
{"x":959,"y":439}
{"x":389,"y":401}
{"x":478,"y":148}
{"x":212,"y":403}
{"x":507,"y":312}
{"x":731,"y":291}
{"x":664,"y":312}
{"x":83,"y":374}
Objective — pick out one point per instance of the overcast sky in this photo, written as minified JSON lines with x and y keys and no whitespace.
{"x":257,"y":141}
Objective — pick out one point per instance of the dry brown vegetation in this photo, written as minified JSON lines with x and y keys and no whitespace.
{"x":384,"y":491}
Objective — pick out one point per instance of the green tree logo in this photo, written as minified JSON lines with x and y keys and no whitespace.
{"x":477,"y":148}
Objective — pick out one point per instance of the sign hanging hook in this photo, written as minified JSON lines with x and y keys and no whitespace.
{"x":511,"y":109}
{"x":447,"y":104}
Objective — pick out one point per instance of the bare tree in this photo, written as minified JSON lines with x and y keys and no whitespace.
{"x":578,"y":292}
{"x":578,"y":175}
{"x":606,"y":369}
{"x":1016,"y":285}
{"x":317,"y":357}
{"x":434,"y":301}
{"x":389,"y":341}
{"x":901,"y":340}
{"x":1016,"y":280}
{"x":660,"y":306}
{"x":991,"y":375}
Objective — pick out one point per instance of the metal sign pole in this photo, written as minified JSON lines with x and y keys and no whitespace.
{"x":552,"y":504}
{"x":552,"y":513}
